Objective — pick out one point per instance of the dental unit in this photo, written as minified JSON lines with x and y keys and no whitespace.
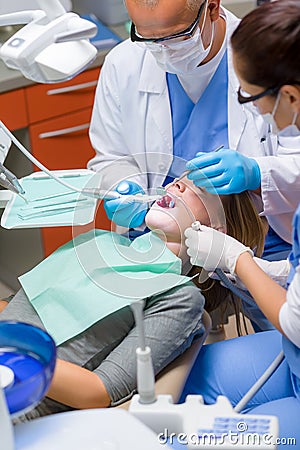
{"x":96,"y":192}
{"x":202,"y":426}
{"x":42,"y":50}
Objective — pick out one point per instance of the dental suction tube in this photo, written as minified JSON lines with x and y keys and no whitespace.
{"x":97,"y":193}
{"x":145,"y":371}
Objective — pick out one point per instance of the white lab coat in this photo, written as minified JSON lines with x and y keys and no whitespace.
{"x":131,"y":131}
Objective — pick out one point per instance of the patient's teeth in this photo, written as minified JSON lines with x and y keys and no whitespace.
{"x":166,"y":202}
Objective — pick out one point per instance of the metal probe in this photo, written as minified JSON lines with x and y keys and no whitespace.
{"x":186,"y":172}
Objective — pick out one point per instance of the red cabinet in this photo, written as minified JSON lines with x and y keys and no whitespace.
{"x":62,"y":142}
{"x":13,"y":109}
{"x":59,"y":117}
{"x":51,"y":100}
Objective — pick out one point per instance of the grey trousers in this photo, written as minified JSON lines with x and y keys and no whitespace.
{"x":172,"y":321}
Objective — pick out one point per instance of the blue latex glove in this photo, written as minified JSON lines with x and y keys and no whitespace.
{"x":126,"y":214}
{"x":224,"y":172}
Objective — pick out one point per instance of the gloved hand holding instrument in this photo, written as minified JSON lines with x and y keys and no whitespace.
{"x":224,"y":171}
{"x":124,"y":213}
{"x":211,"y":249}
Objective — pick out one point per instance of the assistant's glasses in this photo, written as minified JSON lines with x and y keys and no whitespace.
{"x":245,"y":97}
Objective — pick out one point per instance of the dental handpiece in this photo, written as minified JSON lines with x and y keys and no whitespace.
{"x":11,"y":178}
{"x":11,"y":187}
{"x":102,"y":194}
{"x":89,"y":192}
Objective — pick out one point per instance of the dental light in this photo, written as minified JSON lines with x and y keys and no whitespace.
{"x":52,"y":46}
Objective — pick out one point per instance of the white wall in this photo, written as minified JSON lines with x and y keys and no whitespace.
{"x":8,"y":6}
{"x":239,"y":7}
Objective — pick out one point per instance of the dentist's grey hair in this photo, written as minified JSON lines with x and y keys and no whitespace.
{"x":191,"y":4}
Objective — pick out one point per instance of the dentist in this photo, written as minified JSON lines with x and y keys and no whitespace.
{"x":265,"y":51}
{"x":168,"y":93}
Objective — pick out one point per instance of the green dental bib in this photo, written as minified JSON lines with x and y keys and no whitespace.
{"x":96,"y":274}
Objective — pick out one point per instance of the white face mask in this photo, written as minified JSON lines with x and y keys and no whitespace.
{"x":269,"y":117}
{"x":184,"y":56}
{"x":289,"y":131}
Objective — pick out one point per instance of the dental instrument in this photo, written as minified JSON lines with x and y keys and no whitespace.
{"x":58,"y":209}
{"x":7,"y":179}
{"x":97,"y":193}
{"x":8,"y":185}
{"x":145,"y":371}
{"x":112,"y":195}
{"x":12,"y":179}
{"x":11,"y":187}
{"x":186,"y":172}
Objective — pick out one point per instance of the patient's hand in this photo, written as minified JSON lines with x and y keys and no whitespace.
{"x":3,"y":304}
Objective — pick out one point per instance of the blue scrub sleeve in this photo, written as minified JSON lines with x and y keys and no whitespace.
{"x":231,"y":367}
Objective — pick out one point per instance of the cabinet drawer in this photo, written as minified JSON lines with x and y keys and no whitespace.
{"x":13,"y":109}
{"x":54,"y":237}
{"x":50,"y":100}
{"x":63,"y":142}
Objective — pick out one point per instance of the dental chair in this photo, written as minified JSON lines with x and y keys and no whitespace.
{"x":172,"y":378}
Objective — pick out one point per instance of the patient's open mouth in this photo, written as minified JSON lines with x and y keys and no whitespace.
{"x":166,"y":202}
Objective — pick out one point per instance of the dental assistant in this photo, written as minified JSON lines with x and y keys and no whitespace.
{"x":168,"y":93}
{"x":275,"y":90}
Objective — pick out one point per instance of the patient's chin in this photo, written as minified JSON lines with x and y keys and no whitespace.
{"x":167,"y":223}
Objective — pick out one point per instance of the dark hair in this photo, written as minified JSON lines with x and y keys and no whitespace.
{"x":266,"y":44}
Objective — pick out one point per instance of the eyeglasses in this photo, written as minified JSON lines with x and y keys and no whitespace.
{"x":244,"y":97}
{"x":188,"y":32}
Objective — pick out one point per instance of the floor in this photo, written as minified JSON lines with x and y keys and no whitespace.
{"x":5,"y":291}
{"x":228,"y":331}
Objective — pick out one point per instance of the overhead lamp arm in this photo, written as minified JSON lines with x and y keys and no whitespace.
{"x":52,"y":46}
{"x":20,"y":17}
{"x":86,"y":31}
{"x":52,"y":8}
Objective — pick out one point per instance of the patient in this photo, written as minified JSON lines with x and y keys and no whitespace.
{"x":97,"y":368}
{"x":231,"y":214}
